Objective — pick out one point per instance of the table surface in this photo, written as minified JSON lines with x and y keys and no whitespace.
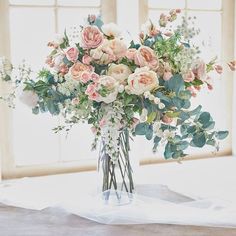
{"x":54,"y":222}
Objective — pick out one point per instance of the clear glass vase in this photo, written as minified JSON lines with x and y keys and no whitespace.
{"x":117,"y":184}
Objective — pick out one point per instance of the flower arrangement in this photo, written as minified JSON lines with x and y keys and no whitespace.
{"x":144,"y":89}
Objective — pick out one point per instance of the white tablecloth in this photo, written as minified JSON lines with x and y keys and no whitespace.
{"x":200,"y":192}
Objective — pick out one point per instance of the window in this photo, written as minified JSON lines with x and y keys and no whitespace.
{"x":34,"y":147}
{"x":28,"y":146}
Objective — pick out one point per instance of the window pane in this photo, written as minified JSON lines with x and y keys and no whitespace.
{"x":79,"y":3}
{"x":33,"y":142}
{"x":73,"y":17}
{"x":205,"y":4}
{"x":166,"y":4}
{"x":77,"y":145}
{"x":30,"y":31}
{"x":32,"y":2}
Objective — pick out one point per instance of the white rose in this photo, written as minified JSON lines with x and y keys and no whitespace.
{"x":111,"y":30}
{"x":29,"y":98}
{"x":112,"y":87}
{"x":100,"y":56}
{"x":120,"y":72}
{"x":142,"y":80}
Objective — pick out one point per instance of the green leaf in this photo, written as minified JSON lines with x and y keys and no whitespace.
{"x":211,"y":142}
{"x":149,"y":133}
{"x":35,"y":110}
{"x":168,"y":152}
{"x":182,"y":145}
{"x":52,"y":107}
{"x":208,"y":126}
{"x":176,"y":83}
{"x":184,"y":116}
{"x":204,"y":118}
{"x":140,"y":128}
{"x":186,"y":95}
{"x":173,"y":114}
{"x":7,"y":78}
{"x":197,"y":82}
{"x":222,"y":134}
{"x":151,"y":117}
{"x":195,"y":111}
{"x":199,"y":139}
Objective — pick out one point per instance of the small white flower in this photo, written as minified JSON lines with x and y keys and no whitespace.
{"x":168,"y":134}
{"x":151,"y":97}
{"x":157,"y":100}
{"x":147,"y":94}
{"x":161,"y":105}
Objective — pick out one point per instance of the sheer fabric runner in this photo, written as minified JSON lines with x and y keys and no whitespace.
{"x":194,"y":193}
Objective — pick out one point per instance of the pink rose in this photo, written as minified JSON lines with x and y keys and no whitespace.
{"x":77,"y":70}
{"x":167,"y":75}
{"x":87,"y":59}
{"x":92,"y":37}
{"x":145,"y":56}
{"x":72,"y":54}
{"x":130,"y":53}
{"x":218,"y":69}
{"x":94,"y":77}
{"x":85,"y":76}
{"x":90,"y":89}
{"x":91,"y":92}
{"x":189,"y":76}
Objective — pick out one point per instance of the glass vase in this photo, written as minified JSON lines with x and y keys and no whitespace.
{"x":117,"y":184}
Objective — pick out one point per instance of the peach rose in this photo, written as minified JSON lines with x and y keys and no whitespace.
{"x":115,"y":47}
{"x":142,"y":80}
{"x":120,"y":72}
{"x":77,"y":70}
{"x":92,"y":37}
{"x":72,"y":54}
{"x":145,"y":56}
